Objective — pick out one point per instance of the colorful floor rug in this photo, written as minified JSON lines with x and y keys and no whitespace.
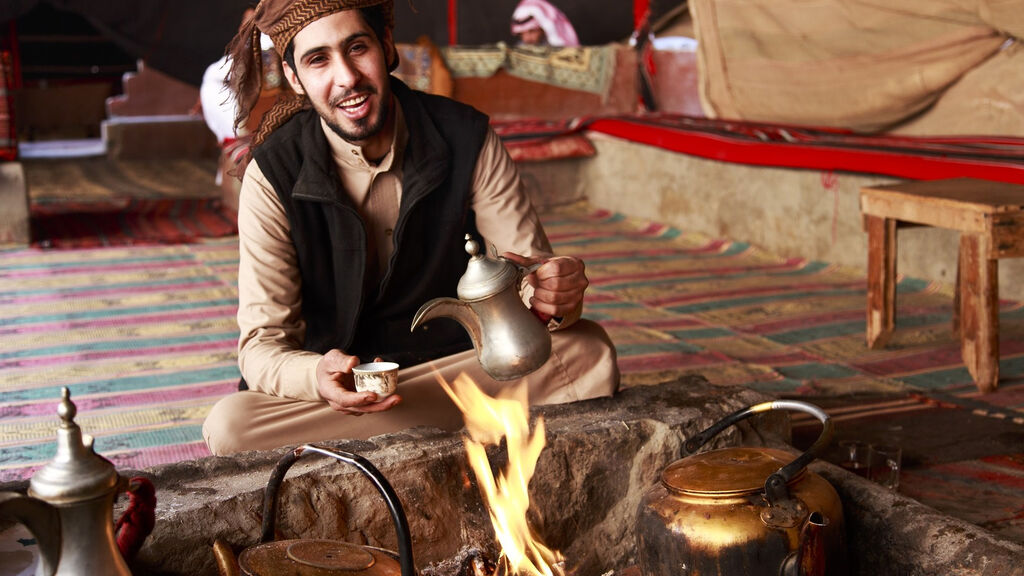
{"x":996,"y":480}
{"x":144,"y":337}
{"x":134,"y":222}
{"x":675,"y":301}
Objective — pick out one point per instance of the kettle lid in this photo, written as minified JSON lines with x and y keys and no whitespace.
{"x":484,"y":276}
{"x":320,"y":557}
{"x":76,"y":473}
{"x":725,"y":472}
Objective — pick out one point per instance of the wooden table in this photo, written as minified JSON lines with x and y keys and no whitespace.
{"x":990,"y":219}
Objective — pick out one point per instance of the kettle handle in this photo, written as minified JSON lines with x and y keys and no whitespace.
{"x":775,"y":486}
{"x":364,"y":466}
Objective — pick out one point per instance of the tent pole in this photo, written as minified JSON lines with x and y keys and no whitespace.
{"x":453,"y":22}
{"x":639,"y":11}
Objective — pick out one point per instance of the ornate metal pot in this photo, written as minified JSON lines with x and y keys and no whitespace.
{"x":510,"y":341}
{"x":69,"y":506}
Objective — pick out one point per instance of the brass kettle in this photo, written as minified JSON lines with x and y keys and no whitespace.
{"x":743,"y":510}
{"x":69,"y":506}
{"x":510,"y":341}
{"x":320,"y":556}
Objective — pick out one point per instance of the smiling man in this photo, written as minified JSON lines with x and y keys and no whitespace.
{"x":352,"y":214}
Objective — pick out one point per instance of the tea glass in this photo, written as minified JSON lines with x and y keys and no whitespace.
{"x":885,"y":465}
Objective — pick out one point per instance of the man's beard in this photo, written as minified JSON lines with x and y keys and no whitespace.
{"x":365,"y":128}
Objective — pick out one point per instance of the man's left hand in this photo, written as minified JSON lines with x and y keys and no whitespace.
{"x":558,"y":285}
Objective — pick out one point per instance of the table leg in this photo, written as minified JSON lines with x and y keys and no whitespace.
{"x":956,"y":293}
{"x":881,"y":279}
{"x":979,"y":310}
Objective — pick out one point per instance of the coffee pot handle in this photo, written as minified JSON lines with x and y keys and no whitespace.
{"x":525,"y":271}
{"x":364,"y":466}
{"x":775,"y":486}
{"x":43,"y":520}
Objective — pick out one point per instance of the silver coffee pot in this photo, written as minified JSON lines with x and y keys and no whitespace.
{"x":510,"y":341}
{"x":69,"y":506}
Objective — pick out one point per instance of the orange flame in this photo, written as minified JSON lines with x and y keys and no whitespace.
{"x":488,"y":420}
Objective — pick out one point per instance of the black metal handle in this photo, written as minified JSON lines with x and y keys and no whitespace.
{"x":775,"y":486}
{"x":364,"y":466}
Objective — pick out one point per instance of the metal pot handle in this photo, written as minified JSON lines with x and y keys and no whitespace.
{"x":364,"y":466}
{"x":775,"y":486}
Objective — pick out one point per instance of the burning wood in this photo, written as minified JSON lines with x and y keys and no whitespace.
{"x":488,"y":420}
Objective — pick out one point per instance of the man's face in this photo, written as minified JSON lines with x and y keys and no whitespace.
{"x":342,"y":67}
{"x":534,"y":36}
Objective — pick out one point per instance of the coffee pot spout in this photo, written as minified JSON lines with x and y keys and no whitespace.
{"x":452,"y":308}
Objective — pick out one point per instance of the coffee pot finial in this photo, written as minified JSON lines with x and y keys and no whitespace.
{"x":77,"y":473}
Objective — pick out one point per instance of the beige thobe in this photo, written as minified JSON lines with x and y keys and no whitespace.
{"x":283,"y":406}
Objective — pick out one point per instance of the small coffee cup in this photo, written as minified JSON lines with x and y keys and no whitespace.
{"x":380,"y":378}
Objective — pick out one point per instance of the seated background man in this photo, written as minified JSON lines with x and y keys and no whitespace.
{"x":352,"y":215}
{"x":538,"y":23}
{"x":220,"y":110}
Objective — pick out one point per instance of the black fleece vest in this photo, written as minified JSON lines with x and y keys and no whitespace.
{"x":445,"y":139}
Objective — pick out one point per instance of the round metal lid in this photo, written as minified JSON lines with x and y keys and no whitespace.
{"x":330,"y":555}
{"x":484,"y":276}
{"x":308,"y":556}
{"x":77,"y":473}
{"x":725,"y":472}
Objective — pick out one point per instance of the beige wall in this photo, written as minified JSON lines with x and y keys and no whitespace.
{"x":805,"y":213}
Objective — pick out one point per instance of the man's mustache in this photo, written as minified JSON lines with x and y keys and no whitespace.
{"x":360,"y":90}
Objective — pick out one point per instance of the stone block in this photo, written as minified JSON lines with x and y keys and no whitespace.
{"x":14,"y":212}
{"x":148,"y":91}
{"x":888,"y":533}
{"x":158,"y":137}
{"x":601,"y":456}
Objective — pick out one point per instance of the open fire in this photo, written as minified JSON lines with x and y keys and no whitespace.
{"x":506,"y":496}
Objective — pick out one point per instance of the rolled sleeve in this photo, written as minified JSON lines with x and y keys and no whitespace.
{"x":505,"y":216}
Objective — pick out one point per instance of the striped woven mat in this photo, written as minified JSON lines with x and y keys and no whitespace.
{"x":145,"y":337}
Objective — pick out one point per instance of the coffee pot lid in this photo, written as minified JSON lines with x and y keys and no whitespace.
{"x":320,"y":557}
{"x":725,"y":472}
{"x":76,"y":473}
{"x":484,"y":276}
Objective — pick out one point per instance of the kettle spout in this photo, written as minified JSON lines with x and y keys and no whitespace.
{"x":42,"y":520}
{"x":458,"y":310}
{"x":809,"y":557}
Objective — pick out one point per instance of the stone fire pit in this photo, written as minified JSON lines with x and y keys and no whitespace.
{"x":601,"y":456}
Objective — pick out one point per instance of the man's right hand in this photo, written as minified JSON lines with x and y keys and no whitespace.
{"x":337,"y":388}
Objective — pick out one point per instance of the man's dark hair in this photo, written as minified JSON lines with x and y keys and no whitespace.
{"x":374,"y":16}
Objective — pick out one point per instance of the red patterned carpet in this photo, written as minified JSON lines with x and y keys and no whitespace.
{"x":130,"y":222}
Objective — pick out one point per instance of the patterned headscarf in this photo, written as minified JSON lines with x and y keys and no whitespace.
{"x":281,"y":20}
